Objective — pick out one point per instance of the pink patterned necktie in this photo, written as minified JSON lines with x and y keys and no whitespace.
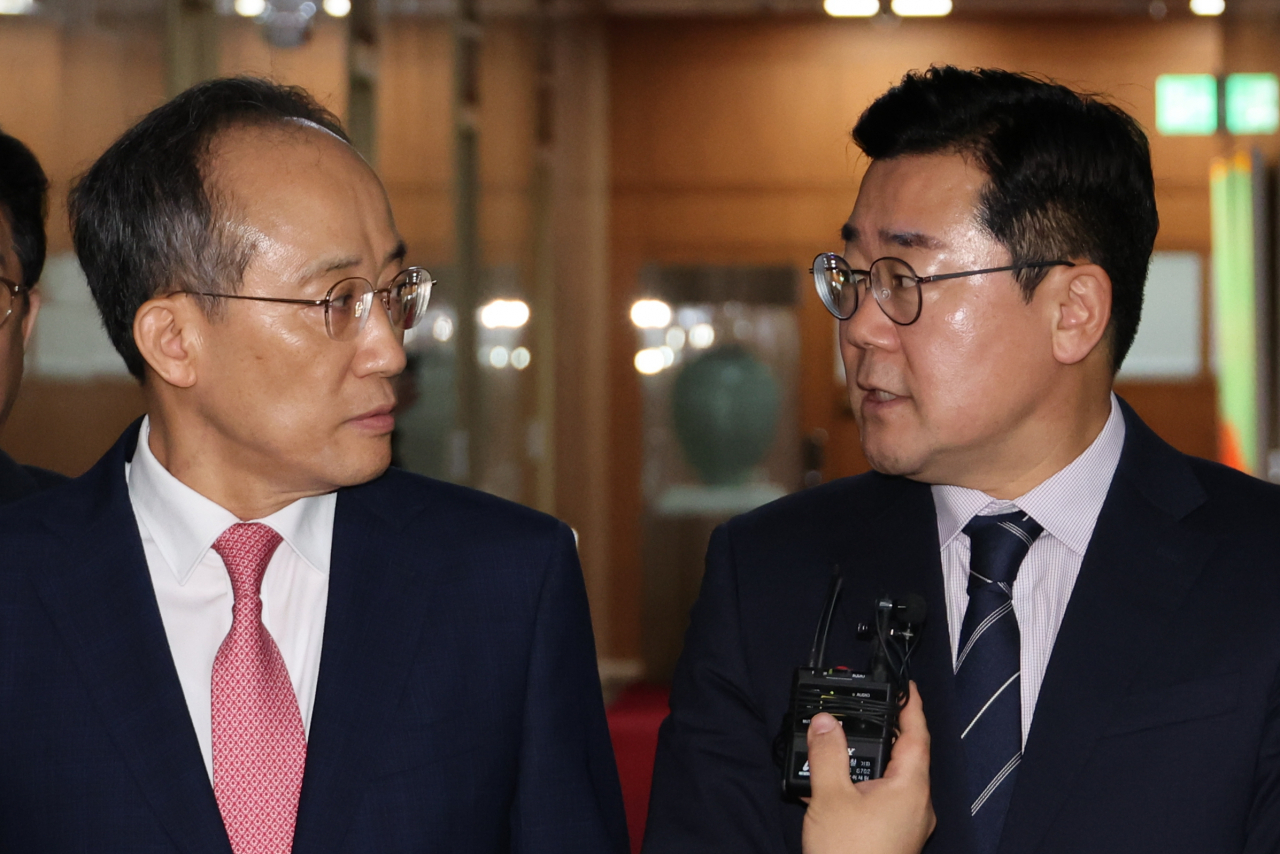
{"x":259,"y":745}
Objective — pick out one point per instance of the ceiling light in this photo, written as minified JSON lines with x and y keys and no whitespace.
{"x":650,"y":361}
{"x":504,"y":314}
{"x":651,"y":314}
{"x":921,"y":8}
{"x":852,"y":8}
{"x":702,"y":335}
{"x":337,"y":8}
{"x":1208,"y":7}
{"x":250,"y":8}
{"x":16,"y":7}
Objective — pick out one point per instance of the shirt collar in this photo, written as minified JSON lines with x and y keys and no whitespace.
{"x":1066,"y":505}
{"x":184,"y":524}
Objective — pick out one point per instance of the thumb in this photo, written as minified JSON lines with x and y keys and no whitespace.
{"x":828,"y":756}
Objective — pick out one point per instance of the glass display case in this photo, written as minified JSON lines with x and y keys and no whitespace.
{"x":717,"y":352}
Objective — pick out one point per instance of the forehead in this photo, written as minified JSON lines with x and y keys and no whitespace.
{"x":917,"y":200}
{"x":301,"y":187}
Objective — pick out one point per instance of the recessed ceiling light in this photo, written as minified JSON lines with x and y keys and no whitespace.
{"x":1208,"y":7}
{"x":851,"y":8}
{"x":921,"y":8}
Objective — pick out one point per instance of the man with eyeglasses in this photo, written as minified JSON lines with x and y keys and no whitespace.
{"x":23,"y":203}
{"x":1100,"y":662}
{"x":239,"y":632}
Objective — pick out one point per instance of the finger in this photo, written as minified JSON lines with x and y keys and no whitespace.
{"x":828,"y":756}
{"x":911,"y":750}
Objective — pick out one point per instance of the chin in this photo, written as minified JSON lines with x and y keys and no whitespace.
{"x":365,"y":465}
{"x":890,"y":461}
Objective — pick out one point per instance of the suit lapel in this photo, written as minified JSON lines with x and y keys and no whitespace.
{"x":100,"y":598}
{"x":372,"y":627}
{"x":1138,"y":569}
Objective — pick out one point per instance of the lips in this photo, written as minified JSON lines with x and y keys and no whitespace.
{"x":378,"y":420}
{"x":873,"y":392}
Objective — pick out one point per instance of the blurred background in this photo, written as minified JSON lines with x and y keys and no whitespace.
{"x":620,"y":199}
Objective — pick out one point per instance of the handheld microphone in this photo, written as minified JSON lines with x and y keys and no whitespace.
{"x":866,"y":704}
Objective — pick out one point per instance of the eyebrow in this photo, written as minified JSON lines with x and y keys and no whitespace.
{"x":908,"y":239}
{"x":325,"y":267}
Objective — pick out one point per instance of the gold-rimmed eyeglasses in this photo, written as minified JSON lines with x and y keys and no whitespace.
{"x":348,"y":304}
{"x":893,"y":284}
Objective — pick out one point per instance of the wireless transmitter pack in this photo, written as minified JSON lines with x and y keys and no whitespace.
{"x":866,"y":703}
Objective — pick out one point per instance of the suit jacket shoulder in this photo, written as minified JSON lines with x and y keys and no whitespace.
{"x":18,"y":481}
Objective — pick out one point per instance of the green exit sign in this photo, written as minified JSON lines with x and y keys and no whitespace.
{"x":1253,"y":103}
{"x":1186,"y":104}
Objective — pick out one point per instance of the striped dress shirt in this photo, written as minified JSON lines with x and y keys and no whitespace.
{"x":1066,"y":506}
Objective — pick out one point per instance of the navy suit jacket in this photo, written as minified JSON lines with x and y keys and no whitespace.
{"x":1157,"y":727}
{"x":457,"y":708}
{"x":19,"y":481}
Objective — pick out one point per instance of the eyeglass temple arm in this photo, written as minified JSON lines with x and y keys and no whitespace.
{"x":258,"y":299}
{"x":923,"y":280}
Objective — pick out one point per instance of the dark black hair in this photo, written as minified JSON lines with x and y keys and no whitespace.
{"x":24,"y":199}
{"x":144,"y":217}
{"x":1069,"y":174}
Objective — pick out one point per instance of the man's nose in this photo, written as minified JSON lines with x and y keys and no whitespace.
{"x":869,"y":326}
{"x":381,"y":343}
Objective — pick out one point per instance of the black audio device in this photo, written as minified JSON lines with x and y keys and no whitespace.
{"x":865,"y":702}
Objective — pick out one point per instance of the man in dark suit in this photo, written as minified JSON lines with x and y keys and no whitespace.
{"x":239,"y":632}
{"x":23,"y":203}
{"x":1100,"y":660}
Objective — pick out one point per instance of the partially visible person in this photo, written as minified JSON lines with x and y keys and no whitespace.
{"x":23,"y":204}
{"x":892,"y":815}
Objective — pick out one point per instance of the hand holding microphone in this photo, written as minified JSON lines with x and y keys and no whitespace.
{"x":890,"y":815}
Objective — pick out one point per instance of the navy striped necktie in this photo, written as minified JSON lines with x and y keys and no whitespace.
{"x":988,"y":667}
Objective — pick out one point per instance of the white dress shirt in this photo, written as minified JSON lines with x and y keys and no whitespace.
{"x":178,"y":527}
{"x":1066,"y":506}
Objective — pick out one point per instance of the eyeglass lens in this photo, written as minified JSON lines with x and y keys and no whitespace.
{"x":893,"y":285}
{"x":351,"y":300}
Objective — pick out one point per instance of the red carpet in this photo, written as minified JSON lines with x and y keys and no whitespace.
{"x":633,"y":725}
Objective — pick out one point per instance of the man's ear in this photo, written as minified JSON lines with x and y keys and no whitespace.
{"x":29,"y":319}
{"x":168,"y":332}
{"x":1082,"y":310}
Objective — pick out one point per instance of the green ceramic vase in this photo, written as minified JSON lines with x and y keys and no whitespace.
{"x":725,"y":407}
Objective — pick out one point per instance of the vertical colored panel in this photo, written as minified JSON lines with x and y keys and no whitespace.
{"x":1186,"y":104}
{"x":1253,"y":103}
{"x":1234,"y":310}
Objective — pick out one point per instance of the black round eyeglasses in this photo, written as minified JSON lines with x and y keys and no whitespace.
{"x":893,"y":284}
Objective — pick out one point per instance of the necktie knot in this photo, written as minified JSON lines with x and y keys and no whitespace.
{"x":246,"y":548}
{"x":997,"y":545}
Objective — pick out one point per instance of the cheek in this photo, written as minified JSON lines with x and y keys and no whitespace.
{"x":949,"y":353}
{"x":977,"y":361}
